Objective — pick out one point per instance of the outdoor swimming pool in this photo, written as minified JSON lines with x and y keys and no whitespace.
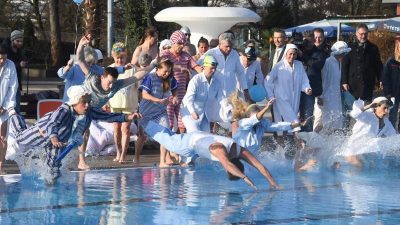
{"x":202,"y":196}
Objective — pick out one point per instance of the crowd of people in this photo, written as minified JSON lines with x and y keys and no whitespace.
{"x":182,"y":98}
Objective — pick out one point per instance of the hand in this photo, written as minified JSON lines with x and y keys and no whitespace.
{"x":174,"y":100}
{"x":164,"y":101}
{"x":275,"y":186}
{"x":56,"y":143}
{"x":2,"y":110}
{"x":128,"y":66}
{"x":70,"y":63}
{"x":271,"y":101}
{"x":134,"y":116}
{"x":23,"y":64}
{"x":84,"y":40}
{"x":195,"y":116}
{"x":345,"y":87}
{"x":309,"y":91}
{"x":320,"y":101}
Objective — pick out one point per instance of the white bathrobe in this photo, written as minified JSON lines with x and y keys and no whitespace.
{"x":285,"y":84}
{"x":366,"y":136}
{"x":8,"y":87}
{"x":329,"y":115}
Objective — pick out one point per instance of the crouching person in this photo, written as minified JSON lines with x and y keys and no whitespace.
{"x":56,"y":129}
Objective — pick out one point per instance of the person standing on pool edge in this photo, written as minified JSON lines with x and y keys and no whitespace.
{"x":102,"y":87}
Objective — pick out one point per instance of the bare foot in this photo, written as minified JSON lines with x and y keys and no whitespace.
{"x":83,"y":166}
{"x":122,"y":160}
{"x":309,"y":164}
{"x":117,"y":158}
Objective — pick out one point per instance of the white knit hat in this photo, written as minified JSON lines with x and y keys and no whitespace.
{"x":339,"y":48}
{"x":288,"y":47}
{"x":75,"y":93}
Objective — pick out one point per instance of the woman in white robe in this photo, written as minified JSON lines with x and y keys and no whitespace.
{"x":372,"y":124}
{"x":285,"y":82}
{"x":328,"y":107}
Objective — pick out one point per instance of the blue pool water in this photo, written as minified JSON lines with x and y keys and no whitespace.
{"x":202,"y":196}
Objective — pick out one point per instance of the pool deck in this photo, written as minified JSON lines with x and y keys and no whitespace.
{"x":149,"y":158}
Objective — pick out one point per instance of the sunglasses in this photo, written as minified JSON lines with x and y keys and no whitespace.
{"x":188,"y":34}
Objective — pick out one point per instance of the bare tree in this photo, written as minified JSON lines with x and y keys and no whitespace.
{"x":55,"y":35}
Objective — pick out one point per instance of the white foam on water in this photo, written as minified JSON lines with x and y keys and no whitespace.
{"x":32,"y":162}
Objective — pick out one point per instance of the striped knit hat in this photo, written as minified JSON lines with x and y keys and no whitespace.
{"x":178,"y":37}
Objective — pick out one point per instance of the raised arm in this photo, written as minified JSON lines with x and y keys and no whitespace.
{"x":80,"y":56}
{"x":261,"y":113}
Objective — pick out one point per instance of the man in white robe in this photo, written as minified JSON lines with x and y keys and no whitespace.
{"x":285,"y":82}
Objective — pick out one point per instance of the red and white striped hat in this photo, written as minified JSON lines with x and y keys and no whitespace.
{"x":178,"y":37}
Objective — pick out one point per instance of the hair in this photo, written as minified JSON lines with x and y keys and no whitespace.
{"x":239,"y":106}
{"x":149,"y":32}
{"x":277,"y":30}
{"x":85,"y":98}
{"x":144,"y":59}
{"x":112,"y":71}
{"x":226,"y":37}
{"x":90,"y":54}
{"x":214,"y":43}
{"x":318,"y":30}
{"x":3,"y":51}
{"x":166,"y":82}
{"x":250,"y":41}
{"x":118,"y":48}
{"x":385,"y":102}
{"x":239,"y":165}
{"x":202,"y":40}
{"x":362,"y":25}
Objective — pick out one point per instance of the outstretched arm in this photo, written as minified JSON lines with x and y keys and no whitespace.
{"x":219,"y":151}
{"x":252,"y":160}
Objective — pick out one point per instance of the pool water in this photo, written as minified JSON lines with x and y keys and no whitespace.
{"x":202,"y":196}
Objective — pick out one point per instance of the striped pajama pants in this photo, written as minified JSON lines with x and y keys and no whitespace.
{"x":173,"y":111}
{"x":23,"y":135}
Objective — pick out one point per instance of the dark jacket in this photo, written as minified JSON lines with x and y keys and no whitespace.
{"x":16,"y":57}
{"x":271,"y":58}
{"x":361,"y":69}
{"x":314,"y":61}
{"x":391,"y":79}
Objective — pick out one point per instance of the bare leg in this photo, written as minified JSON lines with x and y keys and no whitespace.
{"x":3,"y":144}
{"x":139,"y":146}
{"x":82,"y":164}
{"x":126,"y":134}
{"x":117,"y":141}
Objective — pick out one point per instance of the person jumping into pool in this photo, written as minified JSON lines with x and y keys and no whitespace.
{"x":102,"y":87}
{"x":54,"y":130}
{"x":214,"y":147}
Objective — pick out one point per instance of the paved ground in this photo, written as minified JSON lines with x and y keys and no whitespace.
{"x":150,"y":157}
